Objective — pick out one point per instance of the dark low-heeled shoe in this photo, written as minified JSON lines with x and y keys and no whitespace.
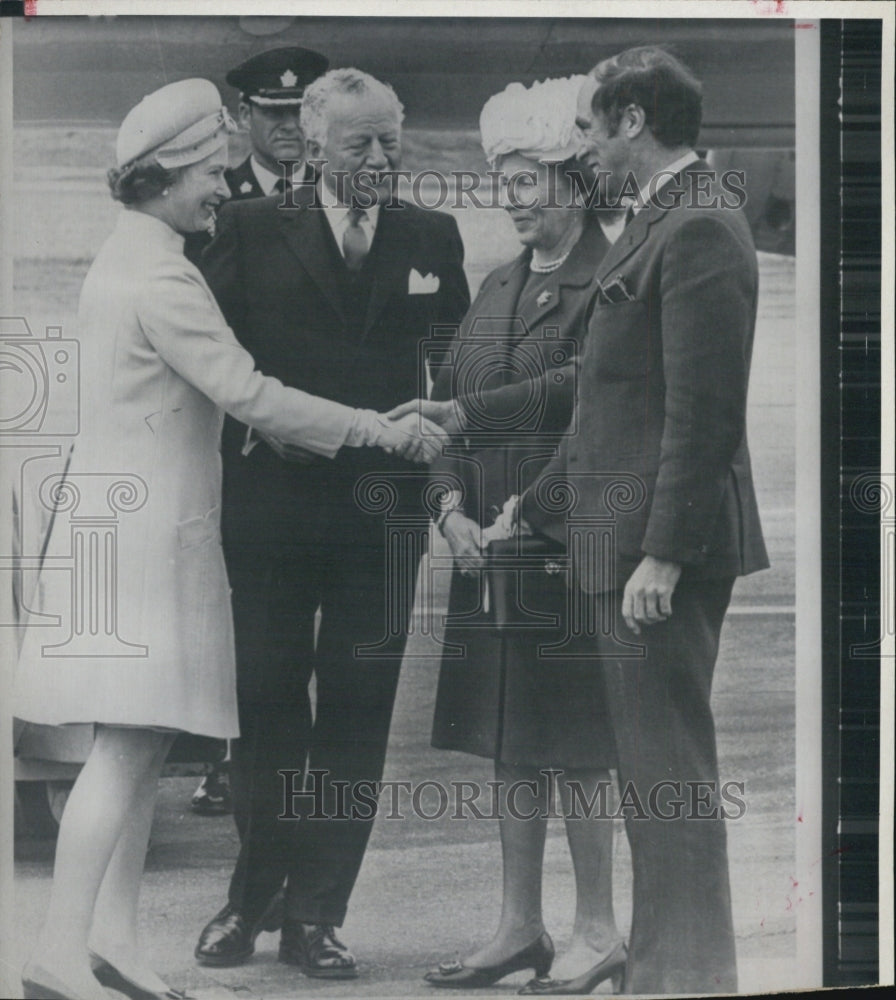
{"x":315,"y":949}
{"x":612,"y":966}
{"x":537,"y":956}
{"x":109,"y":975}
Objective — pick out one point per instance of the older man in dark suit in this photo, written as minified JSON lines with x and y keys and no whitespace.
{"x":662,"y":410}
{"x":336,"y":293}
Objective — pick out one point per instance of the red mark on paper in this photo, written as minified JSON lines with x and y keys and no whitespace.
{"x":770,"y":6}
{"x":30,"y":8}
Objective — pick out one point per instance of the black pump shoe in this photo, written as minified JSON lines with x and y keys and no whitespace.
{"x":612,"y":966}
{"x":453,"y":975}
{"x":110,"y":976}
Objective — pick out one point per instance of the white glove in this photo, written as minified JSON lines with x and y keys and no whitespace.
{"x":508,"y":524}
{"x":411,"y":437}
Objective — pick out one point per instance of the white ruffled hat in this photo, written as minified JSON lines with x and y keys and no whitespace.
{"x":539,"y":122}
{"x":181,"y":123}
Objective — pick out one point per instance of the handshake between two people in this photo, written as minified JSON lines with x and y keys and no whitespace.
{"x":416,"y":431}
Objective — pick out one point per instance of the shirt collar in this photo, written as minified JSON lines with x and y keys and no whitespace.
{"x":664,"y":177}
{"x":337,"y":215}
{"x":267,"y":179}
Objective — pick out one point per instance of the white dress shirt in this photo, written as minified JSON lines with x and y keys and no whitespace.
{"x":666,"y":175}
{"x":267,"y":179}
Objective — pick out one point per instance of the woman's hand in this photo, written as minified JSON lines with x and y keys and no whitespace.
{"x":411,"y":437}
{"x":446,"y":413}
{"x":464,"y":537}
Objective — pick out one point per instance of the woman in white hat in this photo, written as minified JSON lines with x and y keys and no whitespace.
{"x":146,"y":647}
{"x":499,"y":697}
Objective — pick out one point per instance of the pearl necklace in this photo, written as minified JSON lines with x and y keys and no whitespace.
{"x":550,"y":265}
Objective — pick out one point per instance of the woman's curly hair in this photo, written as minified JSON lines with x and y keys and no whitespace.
{"x":140,"y":180}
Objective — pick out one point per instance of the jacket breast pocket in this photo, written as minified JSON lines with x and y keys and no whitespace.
{"x":618,"y":342}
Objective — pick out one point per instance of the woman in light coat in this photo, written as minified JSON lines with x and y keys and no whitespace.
{"x":145,"y":645}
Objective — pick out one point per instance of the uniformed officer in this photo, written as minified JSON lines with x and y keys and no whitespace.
{"x":271,"y":85}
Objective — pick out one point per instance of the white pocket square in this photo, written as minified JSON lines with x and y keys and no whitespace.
{"x":419,"y":284}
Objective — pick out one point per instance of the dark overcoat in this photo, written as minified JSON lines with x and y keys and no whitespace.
{"x":498,"y":695}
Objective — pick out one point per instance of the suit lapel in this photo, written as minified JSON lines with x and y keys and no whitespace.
{"x":637,"y":231}
{"x":634,"y":234}
{"x":577,"y":271}
{"x":503,"y":301}
{"x":310,"y":238}
{"x":388,"y":262}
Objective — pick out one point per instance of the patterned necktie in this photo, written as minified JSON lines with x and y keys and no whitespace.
{"x":354,"y":240}
{"x":281,"y":186}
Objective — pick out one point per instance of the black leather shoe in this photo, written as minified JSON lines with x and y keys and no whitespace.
{"x":227,"y":939}
{"x":612,"y":966}
{"x":109,"y":975}
{"x":316,"y":950}
{"x":212,"y":797}
{"x":537,"y":956}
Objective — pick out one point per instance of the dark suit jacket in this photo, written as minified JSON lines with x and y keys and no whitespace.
{"x":283,"y":287}
{"x":501,"y":344}
{"x":243,"y":184}
{"x":662,"y":396}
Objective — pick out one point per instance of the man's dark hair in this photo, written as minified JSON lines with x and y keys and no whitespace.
{"x":652,"y":78}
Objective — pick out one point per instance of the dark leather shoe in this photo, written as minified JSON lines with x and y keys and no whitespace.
{"x":454,"y":975}
{"x":316,"y":950}
{"x":227,"y":939}
{"x":612,"y":966}
{"x":114,"y":978}
{"x":212,"y":797}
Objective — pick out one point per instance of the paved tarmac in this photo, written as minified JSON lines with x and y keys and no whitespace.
{"x":431,"y":888}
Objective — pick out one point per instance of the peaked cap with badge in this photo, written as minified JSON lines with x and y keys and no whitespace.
{"x":278,"y":77}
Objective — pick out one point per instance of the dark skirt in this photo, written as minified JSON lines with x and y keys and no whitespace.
{"x":502,"y":694}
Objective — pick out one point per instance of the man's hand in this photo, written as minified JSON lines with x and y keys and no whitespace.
{"x":647,"y":598}
{"x":411,"y":437}
{"x":446,"y":414}
{"x":464,"y":536}
{"x":288,"y":452}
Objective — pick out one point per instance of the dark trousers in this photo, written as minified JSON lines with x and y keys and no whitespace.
{"x":682,"y":936}
{"x":274,"y":606}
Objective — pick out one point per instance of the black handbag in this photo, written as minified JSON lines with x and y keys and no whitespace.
{"x":527,"y":582}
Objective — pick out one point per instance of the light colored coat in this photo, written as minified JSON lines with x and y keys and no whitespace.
{"x":143,"y":633}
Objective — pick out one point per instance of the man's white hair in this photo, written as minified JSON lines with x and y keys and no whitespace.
{"x":315,"y":101}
